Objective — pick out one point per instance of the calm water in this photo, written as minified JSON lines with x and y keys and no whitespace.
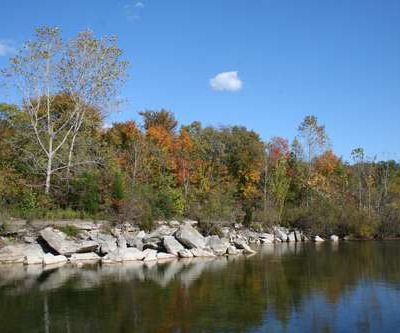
{"x":347,"y":287}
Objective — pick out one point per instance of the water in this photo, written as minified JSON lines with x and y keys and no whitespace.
{"x":345,"y":287}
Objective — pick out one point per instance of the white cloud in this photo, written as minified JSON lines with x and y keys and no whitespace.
{"x":6,"y":48}
{"x":228,"y":81}
{"x":139,"y":5}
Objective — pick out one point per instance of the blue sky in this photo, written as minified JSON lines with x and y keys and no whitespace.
{"x":282,"y":59}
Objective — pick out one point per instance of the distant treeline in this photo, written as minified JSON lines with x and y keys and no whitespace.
{"x":58,"y":160}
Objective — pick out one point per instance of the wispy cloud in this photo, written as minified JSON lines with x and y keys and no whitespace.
{"x":132,"y":10}
{"x":6,"y":48}
{"x":226,"y":81}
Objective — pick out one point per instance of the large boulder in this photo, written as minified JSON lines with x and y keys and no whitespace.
{"x":217,"y":245}
{"x":190,"y":237}
{"x":171,"y":245}
{"x":50,"y":259}
{"x":12,"y":254}
{"x":59,"y":242}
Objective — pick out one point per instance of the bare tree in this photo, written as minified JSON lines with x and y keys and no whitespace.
{"x":85,"y":70}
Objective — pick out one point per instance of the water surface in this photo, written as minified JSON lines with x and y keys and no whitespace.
{"x":345,"y":287}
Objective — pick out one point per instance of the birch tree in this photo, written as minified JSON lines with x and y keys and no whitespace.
{"x":86,"y":71}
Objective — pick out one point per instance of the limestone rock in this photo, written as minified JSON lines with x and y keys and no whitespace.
{"x":50,"y":259}
{"x":58,"y":241}
{"x":318,"y":239}
{"x":163,"y":256}
{"x":171,"y":245}
{"x":202,"y":253}
{"x":150,"y":255}
{"x":334,"y":238}
{"x":185,"y":253}
{"x":217,"y":245}
{"x":84,"y":257}
{"x":190,"y":237}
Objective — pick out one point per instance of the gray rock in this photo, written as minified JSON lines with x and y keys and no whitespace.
{"x":318,"y":239}
{"x":171,"y":245}
{"x":190,"y":237}
{"x":50,"y":259}
{"x":267,"y":238}
{"x":164,"y":256}
{"x":291,"y":237}
{"x":150,"y":255}
{"x":12,"y":254}
{"x":232,"y":250}
{"x":185,"y":253}
{"x":241,"y":244}
{"x":58,"y":241}
{"x":334,"y":238}
{"x":84,"y":257}
{"x":202,"y":253}
{"x":280,"y":233}
{"x":132,"y":254}
{"x":121,"y":242}
{"x":217,"y":245}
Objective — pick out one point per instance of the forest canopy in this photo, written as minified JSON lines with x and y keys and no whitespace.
{"x":58,"y":160}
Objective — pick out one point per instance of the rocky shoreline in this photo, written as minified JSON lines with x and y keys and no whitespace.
{"x":96,"y":242}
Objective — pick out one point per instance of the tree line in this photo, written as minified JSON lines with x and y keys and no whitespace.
{"x":57,"y":159}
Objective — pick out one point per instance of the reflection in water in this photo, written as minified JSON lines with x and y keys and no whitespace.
{"x":287,"y":287}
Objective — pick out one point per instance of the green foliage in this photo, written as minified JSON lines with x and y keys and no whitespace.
{"x":69,"y":230}
{"x":85,"y":193}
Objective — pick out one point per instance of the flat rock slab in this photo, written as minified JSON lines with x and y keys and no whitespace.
{"x":202,"y":253}
{"x":58,"y":241}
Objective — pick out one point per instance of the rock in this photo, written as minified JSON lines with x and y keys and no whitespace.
{"x":12,"y":254}
{"x":217,"y":245}
{"x":334,"y":238}
{"x":318,"y":239}
{"x":174,"y":224}
{"x":33,"y":260}
{"x":58,"y":241}
{"x":84,"y":257}
{"x":266,"y":238}
{"x":191,"y":222}
{"x":171,"y":245}
{"x":50,"y":259}
{"x":241,"y":244}
{"x":280,"y":233}
{"x":141,"y":234}
{"x":160,"y":232}
{"x":185,"y":253}
{"x":202,"y":253}
{"x":291,"y":237}
{"x":190,"y":237}
{"x":107,"y":243}
{"x":29,"y":239}
{"x":121,"y":242}
{"x":131,"y":254}
{"x":150,"y":255}
{"x":163,"y":256}
{"x":133,"y":240}
{"x":232,"y":250}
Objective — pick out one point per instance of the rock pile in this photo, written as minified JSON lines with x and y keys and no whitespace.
{"x":169,"y":240}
